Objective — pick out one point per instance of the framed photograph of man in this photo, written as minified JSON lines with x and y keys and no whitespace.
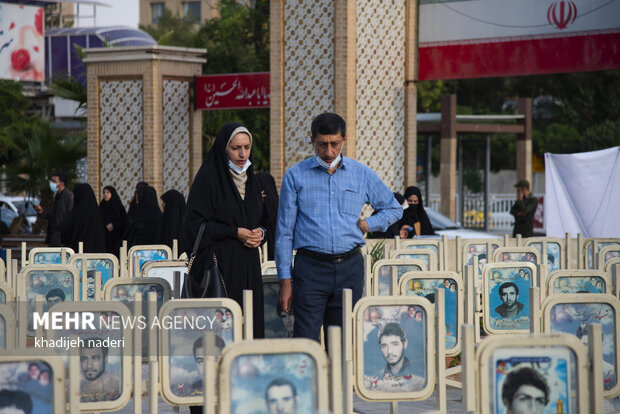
{"x":506,"y":297}
{"x":274,"y":376}
{"x":165,"y":270}
{"x":429,"y":257}
{"x":551,"y":248}
{"x":278,"y":323}
{"x":483,"y":249}
{"x":54,"y":282}
{"x":606,"y":254}
{"x":146,"y":253}
{"x":424,"y":284}
{"x":125,"y":289}
{"x":105,"y":349}
{"x":49,"y":255}
{"x":517,"y":254}
{"x":387,"y":273}
{"x":578,"y":281}
{"x":31,"y":384}
{"x":573,"y":313}
{"x":394,"y":348}
{"x":532,"y":374}
{"x":182,"y":348}
{"x":592,"y":248}
{"x":7,"y":327}
{"x":104,"y":263}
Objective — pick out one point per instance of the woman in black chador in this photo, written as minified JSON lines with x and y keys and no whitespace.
{"x":144,"y":217}
{"x":172,"y":218}
{"x":416,"y":214}
{"x":114,"y":219}
{"x":84,"y":223}
{"x":226,"y":196}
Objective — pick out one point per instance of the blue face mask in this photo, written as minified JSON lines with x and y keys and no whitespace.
{"x":53,"y":187}
{"x":237,"y":169}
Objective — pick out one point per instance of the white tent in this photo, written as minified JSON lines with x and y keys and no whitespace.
{"x":583,"y":193}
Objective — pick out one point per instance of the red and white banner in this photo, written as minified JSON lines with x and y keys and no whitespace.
{"x":233,"y":91}
{"x":22,"y":47}
{"x":489,"y":38}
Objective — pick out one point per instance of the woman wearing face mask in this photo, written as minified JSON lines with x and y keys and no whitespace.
{"x":226,"y":196}
{"x":415,"y":213}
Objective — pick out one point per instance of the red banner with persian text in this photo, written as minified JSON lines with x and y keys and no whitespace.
{"x":232,"y":91}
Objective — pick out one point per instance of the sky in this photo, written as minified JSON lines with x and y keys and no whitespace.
{"x":121,"y":13}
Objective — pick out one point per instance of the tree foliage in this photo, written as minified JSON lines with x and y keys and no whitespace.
{"x":572,"y":112}
{"x":172,"y":30}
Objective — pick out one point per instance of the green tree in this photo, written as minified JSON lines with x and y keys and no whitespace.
{"x":172,"y":30}
{"x":238,"y":41}
{"x":36,"y":156}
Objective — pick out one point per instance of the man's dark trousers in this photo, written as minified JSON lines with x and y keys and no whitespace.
{"x":317,"y":292}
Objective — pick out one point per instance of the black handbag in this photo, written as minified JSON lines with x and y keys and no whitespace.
{"x":203,"y":283}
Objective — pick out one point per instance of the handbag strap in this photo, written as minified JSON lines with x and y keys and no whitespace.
{"x":196,"y":245}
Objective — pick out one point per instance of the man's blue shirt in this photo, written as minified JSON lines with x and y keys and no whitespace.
{"x":319,"y":211}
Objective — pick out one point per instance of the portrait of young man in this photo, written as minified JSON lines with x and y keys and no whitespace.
{"x":97,"y":384}
{"x":509,"y":295}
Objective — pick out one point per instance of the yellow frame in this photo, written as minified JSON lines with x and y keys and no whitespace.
{"x":603,"y":252}
{"x":460,"y":288}
{"x":393,"y":277}
{"x":126,"y":351}
{"x":107,"y":291}
{"x":576,"y":273}
{"x":164,"y":362}
{"x":134,"y":249}
{"x":432,"y":257}
{"x":489,"y":345}
{"x":37,"y":250}
{"x":358,"y":347}
{"x":485,"y":294}
{"x":6,"y":313}
{"x":554,"y":300}
{"x":58,"y":404}
{"x":527,"y":242}
{"x":272,"y":347}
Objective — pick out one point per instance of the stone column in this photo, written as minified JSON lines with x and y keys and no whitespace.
{"x":349,"y":57}
{"x":142,"y":125}
{"x":524,"y":142}
{"x":447,"y":167}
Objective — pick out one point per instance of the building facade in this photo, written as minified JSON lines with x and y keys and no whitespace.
{"x":192,"y":10}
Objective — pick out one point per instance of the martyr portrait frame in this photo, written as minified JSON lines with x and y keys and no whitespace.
{"x":359,"y":310}
{"x":432,"y":256}
{"x":131,"y":256}
{"x":487,"y":289}
{"x":8,"y":326}
{"x":165,"y":386}
{"x":125,"y":355}
{"x":490,"y":345}
{"x":32,"y":255}
{"x":583,"y":273}
{"x":275,"y":347}
{"x":593,"y":299}
{"x":393,"y":288}
{"x":57,"y":376}
{"x":460,"y":300}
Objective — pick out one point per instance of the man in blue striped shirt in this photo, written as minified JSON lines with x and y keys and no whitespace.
{"x":321,"y":199}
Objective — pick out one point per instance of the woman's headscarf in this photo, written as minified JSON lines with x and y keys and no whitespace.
{"x":113,"y":209}
{"x":84,"y":223}
{"x":145,"y":217}
{"x":417,"y":212}
{"x":214,"y":196}
{"x":172,"y":218}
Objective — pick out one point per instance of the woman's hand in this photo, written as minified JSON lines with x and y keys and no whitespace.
{"x":404,"y":231}
{"x":250,"y":238}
